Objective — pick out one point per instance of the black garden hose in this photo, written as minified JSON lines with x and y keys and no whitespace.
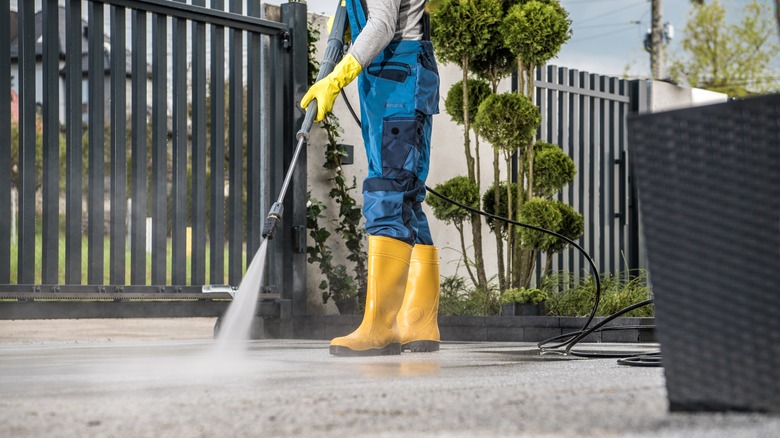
{"x":563,"y":344}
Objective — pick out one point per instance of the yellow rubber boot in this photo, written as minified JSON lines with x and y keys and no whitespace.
{"x":388,"y":267}
{"x":418,"y":318}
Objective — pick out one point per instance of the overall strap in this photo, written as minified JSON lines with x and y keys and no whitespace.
{"x":426,"y":23}
{"x":357,"y":16}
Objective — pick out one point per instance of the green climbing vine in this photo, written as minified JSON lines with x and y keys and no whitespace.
{"x":340,"y":285}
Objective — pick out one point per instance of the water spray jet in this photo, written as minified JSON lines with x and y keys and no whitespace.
{"x":239,"y":316}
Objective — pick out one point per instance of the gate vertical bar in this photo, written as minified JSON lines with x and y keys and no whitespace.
{"x":607,"y":179}
{"x":610,"y":211}
{"x":564,"y":141}
{"x":596,"y":144}
{"x":590,"y":170}
{"x":618,"y":117}
{"x":51,"y":146}
{"x":254,"y":136}
{"x":96,"y":209}
{"x":639,"y":103}
{"x":625,"y":186}
{"x":217,"y":231}
{"x":73,"y":121}
{"x":569,"y":193}
{"x":118,"y":146}
{"x":198,"y":257}
{"x":5,"y":146}
{"x":139,"y":151}
{"x":616,"y":232}
{"x":179,"y":186}
{"x":235,"y":128}
{"x":578,"y":197}
{"x":159,"y":148}
{"x":294,"y":15}
{"x":543,"y":99}
{"x":26,"y":176}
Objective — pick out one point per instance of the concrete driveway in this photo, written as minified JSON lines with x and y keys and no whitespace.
{"x":167,"y":378}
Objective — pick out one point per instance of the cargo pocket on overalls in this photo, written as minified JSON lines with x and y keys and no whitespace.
{"x":426,"y":96}
{"x":393,"y":71}
{"x":392,"y":83}
{"x":401,"y":144}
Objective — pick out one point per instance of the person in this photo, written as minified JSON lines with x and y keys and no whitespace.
{"x":398,"y":82}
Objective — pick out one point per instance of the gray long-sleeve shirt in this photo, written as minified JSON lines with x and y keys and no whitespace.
{"x":387,"y":20}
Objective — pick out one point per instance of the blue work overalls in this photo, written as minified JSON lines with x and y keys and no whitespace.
{"x":399,"y":92}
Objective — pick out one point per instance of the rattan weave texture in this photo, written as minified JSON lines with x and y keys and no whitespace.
{"x":709,"y":192}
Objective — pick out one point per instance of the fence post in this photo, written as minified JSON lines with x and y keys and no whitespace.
{"x":294,"y":15}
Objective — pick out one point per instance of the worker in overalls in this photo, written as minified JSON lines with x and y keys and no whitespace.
{"x":398,"y":83}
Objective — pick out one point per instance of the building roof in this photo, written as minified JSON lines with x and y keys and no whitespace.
{"x":61,"y":40}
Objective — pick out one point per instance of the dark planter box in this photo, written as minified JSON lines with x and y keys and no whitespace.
{"x":517,"y":309}
{"x":709,"y":193}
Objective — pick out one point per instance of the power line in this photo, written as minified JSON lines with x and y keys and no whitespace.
{"x":598,"y":36}
{"x":633,"y":23}
{"x":614,"y":11}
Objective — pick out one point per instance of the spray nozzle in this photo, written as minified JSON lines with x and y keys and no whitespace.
{"x":273,"y":220}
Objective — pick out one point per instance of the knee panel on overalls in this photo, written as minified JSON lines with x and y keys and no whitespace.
{"x":389,"y":198}
{"x":399,"y":92}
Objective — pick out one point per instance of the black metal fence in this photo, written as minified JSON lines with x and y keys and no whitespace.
{"x":585,"y":114}
{"x":172,"y":123}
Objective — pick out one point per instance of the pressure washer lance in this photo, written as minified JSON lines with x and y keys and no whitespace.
{"x":333,"y":53}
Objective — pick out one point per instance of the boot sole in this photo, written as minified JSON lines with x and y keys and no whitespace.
{"x":421,"y":346}
{"x":390,"y":350}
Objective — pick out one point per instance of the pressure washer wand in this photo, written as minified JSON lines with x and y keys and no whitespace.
{"x":333,"y":53}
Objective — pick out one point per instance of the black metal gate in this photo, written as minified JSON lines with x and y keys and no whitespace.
{"x":150,"y":139}
{"x":586,"y":114}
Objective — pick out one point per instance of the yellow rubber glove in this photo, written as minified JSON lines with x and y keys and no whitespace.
{"x":327,"y":89}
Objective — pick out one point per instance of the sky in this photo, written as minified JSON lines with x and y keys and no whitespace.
{"x":607,"y":34}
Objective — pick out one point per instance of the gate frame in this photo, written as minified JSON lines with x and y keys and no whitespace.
{"x":284,"y":292}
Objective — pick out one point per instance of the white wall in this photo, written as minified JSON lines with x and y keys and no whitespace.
{"x":665,"y":96}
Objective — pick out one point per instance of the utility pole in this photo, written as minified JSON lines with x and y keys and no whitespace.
{"x":656,"y":40}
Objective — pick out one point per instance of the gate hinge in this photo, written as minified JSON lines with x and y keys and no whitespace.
{"x":286,"y":40}
{"x":299,"y":239}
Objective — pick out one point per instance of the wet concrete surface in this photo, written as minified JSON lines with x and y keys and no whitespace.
{"x":181,"y":385}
